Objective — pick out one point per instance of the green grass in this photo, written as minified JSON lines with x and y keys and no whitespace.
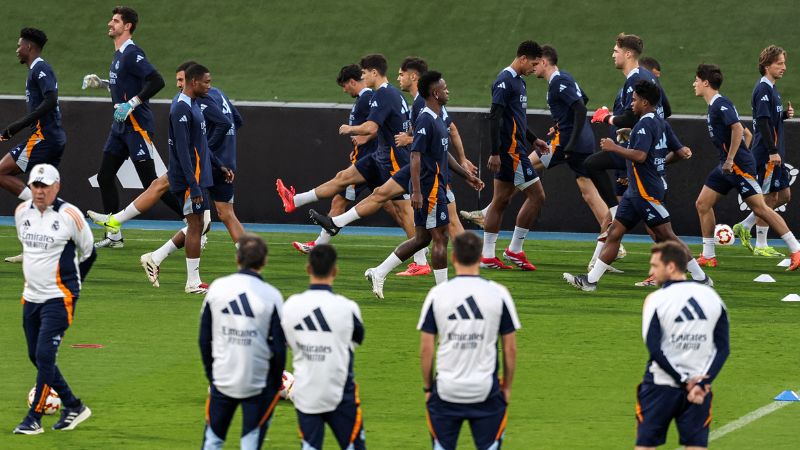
{"x":292,"y":51}
{"x":580,"y":354}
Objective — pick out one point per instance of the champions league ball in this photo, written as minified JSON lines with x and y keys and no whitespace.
{"x":723,"y":235}
{"x":287,"y":384}
{"x":53,"y":401}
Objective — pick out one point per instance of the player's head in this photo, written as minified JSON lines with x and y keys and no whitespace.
{"x":44,"y":182}
{"x":707,"y":78}
{"x":467,"y":248}
{"x":322,"y":263}
{"x":410,"y":70}
{"x":180,"y":74}
{"x":529,"y":53}
{"x":252,"y":252}
{"x":547,"y":65}
{"x":432,"y":85}
{"x":373,"y":69}
{"x":772,"y":62}
{"x":198,"y":80}
{"x":668,"y":261}
{"x":646,"y":96}
{"x":31,"y":42}
{"x":123,"y":20}
{"x":651,"y":64}
{"x":349,"y":79}
{"x":627,"y":48}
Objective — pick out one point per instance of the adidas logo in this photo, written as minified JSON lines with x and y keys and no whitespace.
{"x":630,"y":89}
{"x":139,"y":58}
{"x":422,"y":131}
{"x":765,"y":98}
{"x":373,"y":104}
{"x":183,"y":119}
{"x":42,"y":75}
{"x":650,"y":216}
{"x":686,"y":314}
{"x":561,"y":87}
{"x":141,"y":152}
{"x":745,"y":190}
{"x":239,"y":307}
{"x":320,"y":325}
{"x":641,"y":131}
{"x":461,"y":311}
{"x":502,"y":85}
{"x":722,"y":108}
{"x":203,"y":107}
{"x":27,"y":223}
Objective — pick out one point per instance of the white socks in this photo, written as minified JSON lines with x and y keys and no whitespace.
{"x":489,"y":241}
{"x":749,"y":221}
{"x":597,"y":250}
{"x":695,"y":270}
{"x":165,"y":250}
{"x":305,"y":198}
{"x":709,"y":250}
{"x":440,"y":275}
{"x":517,"y":240}
{"x":192,"y":271}
{"x":388,"y":265}
{"x":127,"y":214}
{"x":114,"y":236}
{"x":613,"y":211}
{"x":761,"y":236}
{"x":791,"y":241}
{"x":419,"y":258}
{"x":323,"y":238}
{"x":25,"y":194}
{"x":351,"y":215}
{"x":597,"y":271}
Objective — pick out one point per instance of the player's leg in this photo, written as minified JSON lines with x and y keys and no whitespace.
{"x":146,"y":200}
{"x":370,"y":205}
{"x":455,"y":227}
{"x":256,"y":417}
{"x":776,"y":222}
{"x":9,"y":180}
{"x":444,"y":422}
{"x":501,"y":197}
{"x":31,"y":324}
{"x":705,"y":211}
{"x":597,"y":166}
{"x":593,"y":200}
{"x":488,"y":424}
{"x":655,"y":408}
{"x":663,"y":232}
{"x":146,"y":170}
{"x":312,"y":429}
{"x":338,"y":183}
{"x":339,"y":204}
{"x":228,"y":217}
{"x":107,"y":181}
{"x":528,"y":213}
{"x":536,"y":160}
{"x":778,"y":197}
{"x":419,"y":266}
{"x":377,"y":275}
{"x":347,"y":422}
{"x":219,"y":413}
{"x":693,"y":422}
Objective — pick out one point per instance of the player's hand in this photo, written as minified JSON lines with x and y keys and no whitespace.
{"x":427,"y":397}
{"x":4,"y":136}
{"x":475,"y":182}
{"x":601,"y":115}
{"x":494,"y":163}
{"x":344,"y":129}
{"x":416,"y":200}
{"x":542,"y":146}
{"x":93,"y":81}
{"x":606,"y":144}
{"x":551,"y":131}
{"x":352,"y":155}
{"x":197,"y":200}
{"x":622,"y":181}
{"x":122,"y":111}
{"x":789,"y":111}
{"x":229,"y":175}
{"x":775,"y":159}
{"x":468,"y":166}
{"x":697,"y":395}
{"x":623,"y":135}
{"x":684,"y":152}
{"x":359,"y":140}
{"x":506,"y":393}
{"x":727,"y":167}
{"x":403,"y":139}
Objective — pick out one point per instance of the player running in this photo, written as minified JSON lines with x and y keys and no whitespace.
{"x":737,"y":168}
{"x":768,"y":148}
{"x":685,"y":329}
{"x":644,"y":198}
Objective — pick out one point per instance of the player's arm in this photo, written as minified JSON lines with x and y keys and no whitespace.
{"x":509,"y":362}
{"x":578,"y":122}
{"x":180,"y":132}
{"x":665,"y":103}
{"x":653,"y":341}
{"x":221,"y":125}
{"x":358,"y":325}
{"x":416,"y":191}
{"x":470,"y":177}
{"x":458,"y":148}
{"x":276,"y":341}
{"x":495,"y":125}
{"x":722,"y":344}
{"x":677,"y":151}
{"x":748,"y":136}
{"x":47,"y":85}
{"x":238,"y":122}
{"x":93,"y":81}
{"x":632,"y":154}
{"x":205,"y":340}
{"x":84,"y":241}
{"x":365,"y":129}
{"x":737,"y":132}
{"x":153,"y":82}
{"x":427,"y":343}
{"x":768,"y":138}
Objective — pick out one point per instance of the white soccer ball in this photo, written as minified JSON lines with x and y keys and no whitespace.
{"x":723,"y":235}
{"x":287,"y":384}
{"x":53,"y":401}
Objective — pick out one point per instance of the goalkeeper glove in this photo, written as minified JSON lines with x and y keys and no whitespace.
{"x":93,"y":81}
{"x":601,"y":115}
{"x":123,"y":110}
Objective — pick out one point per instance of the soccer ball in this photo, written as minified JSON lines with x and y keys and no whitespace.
{"x":723,"y":235}
{"x":53,"y":401}
{"x":287,"y":384}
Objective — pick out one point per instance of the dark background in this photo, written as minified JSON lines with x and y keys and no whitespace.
{"x":301,"y":146}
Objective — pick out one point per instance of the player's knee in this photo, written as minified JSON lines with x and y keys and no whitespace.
{"x":45,"y":358}
{"x":702,"y":206}
{"x":105,"y":178}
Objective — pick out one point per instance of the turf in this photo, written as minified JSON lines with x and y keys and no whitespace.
{"x":292,"y":51}
{"x":580,"y":354}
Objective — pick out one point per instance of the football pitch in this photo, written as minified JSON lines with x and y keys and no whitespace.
{"x":580,"y":354}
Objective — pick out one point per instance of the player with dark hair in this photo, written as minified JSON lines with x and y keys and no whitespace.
{"x":769,"y":147}
{"x":424,"y":180}
{"x":643,"y":200}
{"x":651,"y":64}
{"x":509,"y":161}
{"x":737,"y":168}
{"x":324,"y":329}
{"x":679,"y":372}
{"x":132,"y":82}
{"x":47,"y":139}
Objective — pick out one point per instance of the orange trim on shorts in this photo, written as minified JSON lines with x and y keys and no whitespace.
{"x":196,"y":165}
{"x":355,"y":154}
{"x":269,"y":410}
{"x":357,"y":424}
{"x":208,"y":408}
{"x":555,"y":142}
{"x":640,"y":187}
{"x":502,"y":426}
{"x":639,"y":416}
{"x":139,"y":129}
{"x":513,"y":149}
{"x":35,"y":138}
{"x":430,"y":424}
{"x":768,"y":170}
{"x":708,"y":421}
{"x":433,"y":196}
{"x":395,"y":166}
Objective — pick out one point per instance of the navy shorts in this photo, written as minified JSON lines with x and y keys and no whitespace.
{"x":221,"y":191}
{"x":256,"y":416}
{"x":575,"y":161}
{"x":773,"y":179}
{"x":346,"y":422}
{"x":657,"y":405}
{"x":634,"y":209}
{"x":136,"y":145}
{"x":744,"y":181}
{"x":351,"y":193}
{"x":433,"y":213}
{"x":37,"y":150}
{"x":374,"y":172}
{"x":185,"y":201}
{"x":516,"y":168}
{"x":487,"y":421}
